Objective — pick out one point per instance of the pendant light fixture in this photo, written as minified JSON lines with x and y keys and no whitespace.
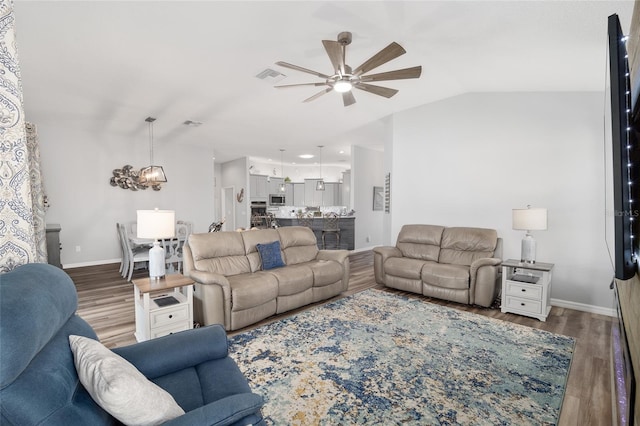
{"x":320,"y":183}
{"x":282,"y":186}
{"x":152,"y":175}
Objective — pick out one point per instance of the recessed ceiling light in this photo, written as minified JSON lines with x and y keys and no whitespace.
{"x":306,"y":156}
{"x":341,"y":152}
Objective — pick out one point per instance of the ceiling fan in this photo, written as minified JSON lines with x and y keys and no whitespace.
{"x":345,"y":78}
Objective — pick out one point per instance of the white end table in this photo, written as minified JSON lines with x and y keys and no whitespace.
{"x":155,"y":319}
{"x":526,"y":288}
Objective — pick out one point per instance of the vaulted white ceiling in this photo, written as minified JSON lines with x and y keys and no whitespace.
{"x":105,"y":66}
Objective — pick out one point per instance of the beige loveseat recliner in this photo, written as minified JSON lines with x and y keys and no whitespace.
{"x":232,"y":288}
{"x":457,"y":264}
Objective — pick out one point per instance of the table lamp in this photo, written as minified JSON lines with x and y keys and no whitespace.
{"x":529,"y":220}
{"x":156,"y":224}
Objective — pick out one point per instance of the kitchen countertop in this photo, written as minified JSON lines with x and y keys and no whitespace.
{"x":319,"y":217}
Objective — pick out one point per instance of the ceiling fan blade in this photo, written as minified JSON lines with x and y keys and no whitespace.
{"x":390,"y":52}
{"x":336,"y":54}
{"x":301,"y":84}
{"x":297,"y":68}
{"x":413,"y":72}
{"x":348,"y":98}
{"x":376,"y":90}
{"x":317,"y":95}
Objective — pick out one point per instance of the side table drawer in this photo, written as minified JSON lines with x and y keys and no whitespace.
{"x":165,"y":331}
{"x":524,"y":305}
{"x":167,"y":316}
{"x":526,"y":291}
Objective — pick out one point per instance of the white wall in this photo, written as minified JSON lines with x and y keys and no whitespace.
{"x":469,"y":160}
{"x":368,"y":168}
{"x":77,"y":166}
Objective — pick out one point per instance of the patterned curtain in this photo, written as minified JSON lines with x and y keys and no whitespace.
{"x":37,"y":193}
{"x":18,"y":236}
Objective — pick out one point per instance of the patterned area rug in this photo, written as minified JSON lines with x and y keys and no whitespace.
{"x":378,"y":358}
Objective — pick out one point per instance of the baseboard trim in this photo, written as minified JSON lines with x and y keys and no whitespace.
{"x":93,"y":263}
{"x":584,"y":307}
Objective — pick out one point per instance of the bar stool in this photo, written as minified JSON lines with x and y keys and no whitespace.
{"x":331,"y":225}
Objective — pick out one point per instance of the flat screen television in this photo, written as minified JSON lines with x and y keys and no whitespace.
{"x":622,"y":209}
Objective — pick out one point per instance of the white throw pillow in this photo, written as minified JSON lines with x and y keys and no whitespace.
{"x":118,"y":387}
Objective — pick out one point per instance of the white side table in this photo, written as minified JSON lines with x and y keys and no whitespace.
{"x":153,"y":319}
{"x":526,"y":288}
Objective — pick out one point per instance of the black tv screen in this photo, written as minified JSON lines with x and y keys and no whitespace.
{"x":622,"y":208}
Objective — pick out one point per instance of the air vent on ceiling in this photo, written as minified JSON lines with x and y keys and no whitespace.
{"x":192,"y":123}
{"x":271,"y":76}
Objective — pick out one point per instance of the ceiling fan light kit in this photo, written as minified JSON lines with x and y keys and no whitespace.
{"x":344,"y":79}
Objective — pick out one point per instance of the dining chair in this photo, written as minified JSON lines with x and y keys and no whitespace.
{"x":124,"y":256}
{"x":331,"y":225}
{"x":139,"y":254}
{"x":173,"y":248}
{"x":132,"y":228}
{"x":188,"y":224}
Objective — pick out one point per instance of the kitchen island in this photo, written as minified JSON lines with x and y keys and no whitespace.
{"x":347,"y":231}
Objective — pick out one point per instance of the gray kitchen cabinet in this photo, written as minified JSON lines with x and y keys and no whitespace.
{"x":258,"y":189}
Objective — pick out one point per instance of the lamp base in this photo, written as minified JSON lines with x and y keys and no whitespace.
{"x":156,"y":261}
{"x":528,"y":249}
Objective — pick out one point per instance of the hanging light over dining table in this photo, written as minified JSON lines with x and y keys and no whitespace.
{"x":131,"y":178}
{"x":152,"y":175}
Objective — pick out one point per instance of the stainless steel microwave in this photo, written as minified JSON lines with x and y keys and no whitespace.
{"x":276,"y":199}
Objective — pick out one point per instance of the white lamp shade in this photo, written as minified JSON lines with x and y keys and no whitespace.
{"x":156,"y":224}
{"x":529,"y":219}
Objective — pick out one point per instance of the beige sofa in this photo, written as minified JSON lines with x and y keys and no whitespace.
{"x":457,"y":264}
{"x":233,"y":290}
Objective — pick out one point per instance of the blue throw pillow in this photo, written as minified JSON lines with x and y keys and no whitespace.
{"x":270,"y":255}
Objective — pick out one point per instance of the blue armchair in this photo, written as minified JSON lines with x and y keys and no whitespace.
{"x":38,"y":379}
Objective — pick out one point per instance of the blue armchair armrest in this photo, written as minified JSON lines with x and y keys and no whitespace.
{"x":165,"y":355}
{"x":226,"y":411}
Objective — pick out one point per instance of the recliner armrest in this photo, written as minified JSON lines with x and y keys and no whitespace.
{"x":484,"y":277}
{"x":225,"y":411}
{"x":175,"y":352}
{"x":380,"y":255}
{"x":486,"y":261}
{"x":337,"y":255}
{"x":387,"y":251}
{"x":204,"y":277}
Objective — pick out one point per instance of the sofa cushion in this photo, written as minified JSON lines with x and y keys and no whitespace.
{"x":447,"y":276}
{"x":298,"y":243}
{"x":252,"y":289}
{"x":404,"y":267}
{"x":325,"y":272}
{"x":293,"y":279}
{"x":252,"y":239}
{"x":220,"y":252}
{"x":57,"y":301}
{"x":270,"y":255}
{"x":420,"y":241}
{"x":118,"y":387}
{"x":461,"y":246}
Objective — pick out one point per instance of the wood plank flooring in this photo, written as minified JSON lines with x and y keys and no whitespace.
{"x":106,"y":302}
